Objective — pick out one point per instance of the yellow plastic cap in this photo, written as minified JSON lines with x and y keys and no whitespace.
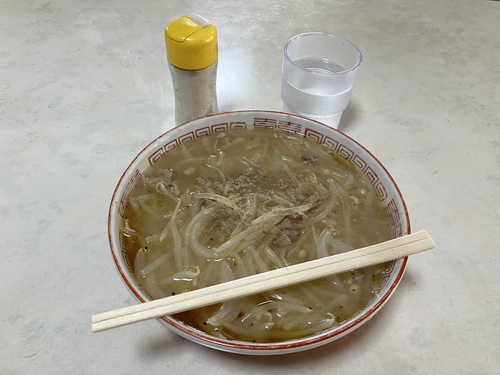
{"x":191,"y":43}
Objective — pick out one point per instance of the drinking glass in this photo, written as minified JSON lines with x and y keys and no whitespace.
{"x":318,"y":76}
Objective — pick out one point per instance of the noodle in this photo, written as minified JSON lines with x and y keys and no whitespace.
{"x":233,"y":204}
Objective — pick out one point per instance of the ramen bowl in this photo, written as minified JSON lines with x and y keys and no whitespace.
{"x":349,"y":151}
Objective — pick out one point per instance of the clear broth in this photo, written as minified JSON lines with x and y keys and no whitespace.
{"x":232,"y":204}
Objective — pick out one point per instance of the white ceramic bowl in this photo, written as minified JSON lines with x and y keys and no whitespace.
{"x":352,"y":151}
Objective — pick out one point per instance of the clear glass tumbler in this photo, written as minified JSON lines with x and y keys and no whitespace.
{"x":318,"y":76}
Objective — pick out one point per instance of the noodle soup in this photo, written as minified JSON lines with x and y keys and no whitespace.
{"x":240,"y":202}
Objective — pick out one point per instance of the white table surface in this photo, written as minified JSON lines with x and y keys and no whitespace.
{"x":84,"y":85}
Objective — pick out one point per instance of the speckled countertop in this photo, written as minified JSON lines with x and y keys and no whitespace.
{"x":85,"y":85}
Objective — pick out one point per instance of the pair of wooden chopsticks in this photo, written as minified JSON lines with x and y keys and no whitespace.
{"x":315,"y":269}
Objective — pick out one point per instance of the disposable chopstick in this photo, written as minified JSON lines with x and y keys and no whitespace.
{"x":383,"y":252}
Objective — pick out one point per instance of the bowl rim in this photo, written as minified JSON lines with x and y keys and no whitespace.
{"x":243,"y":347}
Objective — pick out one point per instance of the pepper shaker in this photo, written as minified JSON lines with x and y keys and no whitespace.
{"x":192,"y":52}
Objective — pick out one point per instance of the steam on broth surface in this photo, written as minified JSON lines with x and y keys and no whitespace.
{"x":233,"y":204}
